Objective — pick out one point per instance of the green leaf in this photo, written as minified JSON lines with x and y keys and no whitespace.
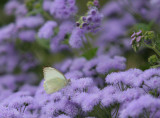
{"x":91,"y":53}
{"x":43,"y":42}
{"x":153,"y":59}
{"x":157,"y":42}
{"x":154,"y":93}
{"x":34,"y":12}
{"x":149,"y":35}
{"x":66,"y":39}
{"x":143,"y":27}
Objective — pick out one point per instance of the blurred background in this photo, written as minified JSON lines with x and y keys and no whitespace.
{"x":134,"y":59}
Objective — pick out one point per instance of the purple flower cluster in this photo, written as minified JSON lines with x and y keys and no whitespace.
{"x":82,"y":95}
{"x":98,"y":65}
{"x":136,"y":37}
{"x":77,"y":38}
{"x":7,"y":32}
{"x":46,"y":31}
{"x":92,"y":21}
{"x":65,"y":28}
{"x":63,"y":9}
{"x":15,"y":7}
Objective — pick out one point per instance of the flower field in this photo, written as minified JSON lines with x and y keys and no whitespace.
{"x":80,"y":59}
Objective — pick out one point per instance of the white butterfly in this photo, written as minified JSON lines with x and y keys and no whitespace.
{"x":54,"y":80}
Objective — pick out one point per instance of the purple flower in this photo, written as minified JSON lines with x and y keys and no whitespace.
{"x":90,"y":66}
{"x":77,"y":64}
{"x":147,"y":74}
{"x":29,"y":22}
{"x":46,"y":31}
{"x":4,"y":94}
{"x":130,"y":78}
{"x":152,"y":83}
{"x":8,"y":82}
{"x":79,"y":98}
{"x":116,"y":29}
{"x":63,"y":116}
{"x":106,"y":64}
{"x":11,"y":6}
{"x":29,"y":88}
{"x":71,"y":109}
{"x":7,"y":32}
{"x":128,"y":95}
{"x":41,"y":96}
{"x":150,"y":79}
{"x":136,"y":37}
{"x":9,"y":57}
{"x":77,"y":38}
{"x":111,"y":8}
{"x":92,"y":21}
{"x":21,"y":11}
{"x":28,"y":61}
{"x":82,"y":83}
{"x":8,"y":100}
{"x":107,"y":96}
{"x":29,"y":78}
{"x":89,"y":101}
{"x":7,"y":112}
{"x":54,"y":108}
{"x":27,"y":35}
{"x":66,"y":27}
{"x":142,"y":106}
{"x":74,"y":75}
{"x":19,"y":101}
{"x":57,"y":42}
{"x":47,"y":4}
{"x":128,"y":20}
{"x":64,"y":66}
{"x":63,"y":9}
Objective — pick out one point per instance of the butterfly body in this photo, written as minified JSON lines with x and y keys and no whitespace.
{"x":54,"y":80}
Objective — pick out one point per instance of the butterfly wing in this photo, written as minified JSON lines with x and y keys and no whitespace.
{"x":54,"y":80}
{"x":50,"y":73}
{"x":54,"y":85}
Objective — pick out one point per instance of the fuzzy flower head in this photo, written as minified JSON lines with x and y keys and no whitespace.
{"x":91,"y":22}
{"x":46,"y":31}
{"x":77,"y":38}
{"x":136,"y":37}
{"x":29,"y":22}
{"x":7,"y":32}
{"x":106,"y":64}
{"x":6,"y":112}
{"x":27,"y":35}
{"x":128,"y":78}
{"x":141,"y":106}
{"x":63,"y":9}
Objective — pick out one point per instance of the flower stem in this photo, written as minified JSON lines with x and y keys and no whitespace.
{"x":153,"y":48}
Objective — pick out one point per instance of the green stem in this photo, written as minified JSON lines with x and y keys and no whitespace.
{"x":156,"y":66}
{"x":117,"y":112}
{"x":153,"y":48}
{"x":147,"y":113}
{"x":154,"y":114}
{"x":84,"y":44}
{"x":104,"y":109}
{"x":156,"y":51}
{"x":46,"y":15}
{"x":90,"y":44}
{"x":24,"y":109}
{"x":147,"y":86}
{"x":114,"y":112}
